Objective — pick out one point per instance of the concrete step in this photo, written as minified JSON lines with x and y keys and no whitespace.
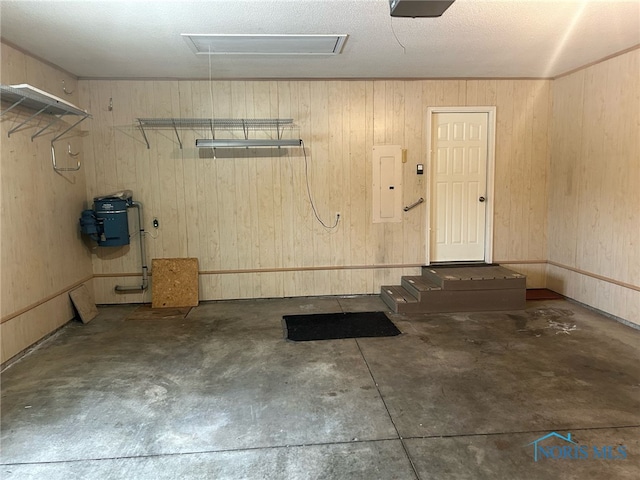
{"x":494,"y":277}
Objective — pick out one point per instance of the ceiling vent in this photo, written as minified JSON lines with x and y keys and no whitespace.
{"x":265,"y":44}
{"x":419,"y":8}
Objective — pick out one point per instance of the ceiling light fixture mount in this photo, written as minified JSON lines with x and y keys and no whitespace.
{"x":241,"y":44}
{"x":419,"y":8}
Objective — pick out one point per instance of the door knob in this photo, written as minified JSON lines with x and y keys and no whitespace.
{"x":481,"y":199}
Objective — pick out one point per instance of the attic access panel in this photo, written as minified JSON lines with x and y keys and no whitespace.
{"x":241,"y":44}
{"x":419,"y":8}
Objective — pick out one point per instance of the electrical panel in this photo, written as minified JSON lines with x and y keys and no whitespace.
{"x":387,"y":183}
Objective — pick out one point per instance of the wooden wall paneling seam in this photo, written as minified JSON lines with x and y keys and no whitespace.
{"x":564,"y":167}
{"x":230,"y":250}
{"x":529,"y":203}
{"x":335,"y":188}
{"x":517,"y":173}
{"x":249,"y":176}
{"x":379,"y":138}
{"x":589,"y":193}
{"x":146,"y":168}
{"x":355,"y":219}
{"x":395,"y":249}
{"x":181,"y":108}
{"x":302,"y":210}
{"x":176,"y":166}
{"x":504,"y":163}
{"x":286,"y":193}
{"x":298,"y":203}
{"x":126,"y":169}
{"x":413,"y":184}
{"x":220,"y":103}
{"x":348,"y":158}
{"x":189,"y":161}
{"x":542,"y":114}
{"x":258,"y":218}
{"x":201,"y":225}
{"x":370,"y":140}
{"x":319,"y":180}
{"x":265,"y":214}
{"x":278,"y":162}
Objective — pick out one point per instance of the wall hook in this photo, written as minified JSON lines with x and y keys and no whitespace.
{"x":63,"y":169}
{"x":74,"y":155}
{"x":64,"y":89}
{"x":110,"y":107}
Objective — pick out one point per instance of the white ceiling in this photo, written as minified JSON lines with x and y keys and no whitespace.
{"x":474,"y":38}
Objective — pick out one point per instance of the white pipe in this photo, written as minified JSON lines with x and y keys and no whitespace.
{"x":143,"y":256}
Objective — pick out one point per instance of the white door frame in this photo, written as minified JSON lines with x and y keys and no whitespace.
{"x":491,"y":161}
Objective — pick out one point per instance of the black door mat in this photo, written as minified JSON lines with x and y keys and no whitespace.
{"x":332,"y":326}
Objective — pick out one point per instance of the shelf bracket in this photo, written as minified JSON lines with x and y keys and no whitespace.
{"x":66,"y":130}
{"x":177,"y":135}
{"x":13,"y":106}
{"x":245,"y":129}
{"x":146,"y":140}
{"x":27,"y":120}
{"x":51,"y":123}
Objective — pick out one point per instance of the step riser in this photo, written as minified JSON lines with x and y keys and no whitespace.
{"x":389,"y":301}
{"x":413,"y":289}
{"x":396,"y":296}
{"x":477,"y":300}
{"x":442,"y":301}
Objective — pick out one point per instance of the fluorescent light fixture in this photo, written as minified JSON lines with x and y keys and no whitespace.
{"x":240,"y":44}
{"x":236,"y":143}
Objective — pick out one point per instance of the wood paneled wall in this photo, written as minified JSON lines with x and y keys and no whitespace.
{"x":594,"y":199}
{"x":42,"y":256}
{"x":247,"y":217}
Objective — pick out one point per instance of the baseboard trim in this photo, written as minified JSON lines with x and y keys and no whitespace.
{"x":46,"y":299}
{"x":595,"y":275}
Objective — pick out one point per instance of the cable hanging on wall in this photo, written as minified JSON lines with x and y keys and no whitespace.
{"x":313,"y":206}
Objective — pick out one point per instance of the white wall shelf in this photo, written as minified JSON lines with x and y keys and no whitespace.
{"x":277,"y":125}
{"x":41,"y":103}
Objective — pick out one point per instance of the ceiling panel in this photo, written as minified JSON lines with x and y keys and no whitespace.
{"x":473,"y":38}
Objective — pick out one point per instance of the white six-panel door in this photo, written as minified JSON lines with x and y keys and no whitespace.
{"x":458,"y":186}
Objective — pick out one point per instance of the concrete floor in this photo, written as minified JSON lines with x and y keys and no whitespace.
{"x":221,"y":395}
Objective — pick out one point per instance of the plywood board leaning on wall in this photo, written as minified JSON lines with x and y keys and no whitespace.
{"x":175,"y":282}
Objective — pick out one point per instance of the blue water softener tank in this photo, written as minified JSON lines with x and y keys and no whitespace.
{"x":108,"y":223}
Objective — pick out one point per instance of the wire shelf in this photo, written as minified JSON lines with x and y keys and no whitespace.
{"x":40,"y":102}
{"x":213,"y":124}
